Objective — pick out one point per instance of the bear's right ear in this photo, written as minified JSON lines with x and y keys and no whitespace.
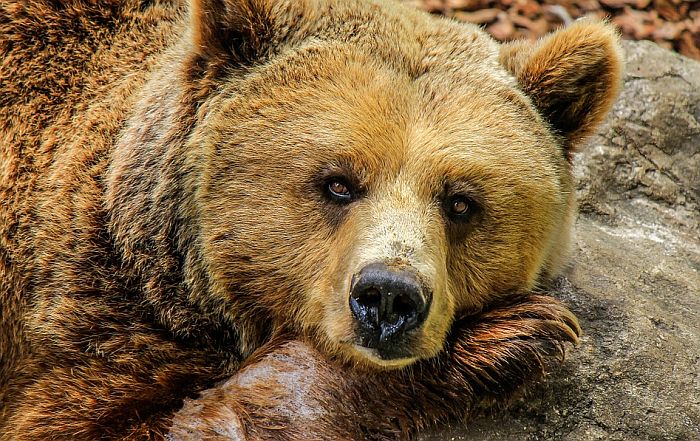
{"x":238,"y":32}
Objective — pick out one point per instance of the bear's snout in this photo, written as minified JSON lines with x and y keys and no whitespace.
{"x":388,"y":302}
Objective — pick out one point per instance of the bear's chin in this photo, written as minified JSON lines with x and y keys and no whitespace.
{"x":375,"y":358}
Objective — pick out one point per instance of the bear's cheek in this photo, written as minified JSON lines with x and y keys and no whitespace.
{"x":507,"y":253}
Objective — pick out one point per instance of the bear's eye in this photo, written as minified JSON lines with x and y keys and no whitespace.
{"x":339,"y":190}
{"x":459,"y":207}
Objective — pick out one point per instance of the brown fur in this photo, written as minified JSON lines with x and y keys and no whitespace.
{"x":293,"y":392}
{"x":162,"y":221}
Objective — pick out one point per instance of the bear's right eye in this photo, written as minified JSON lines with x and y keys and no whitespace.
{"x":339,"y":190}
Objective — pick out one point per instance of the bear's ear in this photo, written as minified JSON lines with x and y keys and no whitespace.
{"x":237,"y":32}
{"x":572,"y":76}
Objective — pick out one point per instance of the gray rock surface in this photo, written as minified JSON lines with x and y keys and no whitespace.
{"x":635,"y":282}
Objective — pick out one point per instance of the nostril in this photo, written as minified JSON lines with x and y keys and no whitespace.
{"x":404,"y":306}
{"x":370,"y":298}
{"x":365,"y":305}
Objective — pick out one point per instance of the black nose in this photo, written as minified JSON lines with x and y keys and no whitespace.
{"x":387,"y":302}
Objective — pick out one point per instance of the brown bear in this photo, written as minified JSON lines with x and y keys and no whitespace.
{"x":345,"y":201}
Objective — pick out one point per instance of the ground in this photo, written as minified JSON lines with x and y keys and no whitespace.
{"x":673,"y":24}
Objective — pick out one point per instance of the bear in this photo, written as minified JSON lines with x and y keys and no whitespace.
{"x":351,"y":193}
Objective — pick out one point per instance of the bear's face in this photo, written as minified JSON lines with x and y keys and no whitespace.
{"x":369,"y":189}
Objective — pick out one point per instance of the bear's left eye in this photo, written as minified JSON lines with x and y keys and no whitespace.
{"x":339,"y":190}
{"x":459,"y":207}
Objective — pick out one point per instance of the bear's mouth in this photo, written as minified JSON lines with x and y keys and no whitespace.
{"x":387,"y":345}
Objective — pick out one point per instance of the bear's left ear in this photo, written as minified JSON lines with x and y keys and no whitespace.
{"x":572,"y":76}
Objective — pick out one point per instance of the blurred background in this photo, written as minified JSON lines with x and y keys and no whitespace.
{"x":673,"y":24}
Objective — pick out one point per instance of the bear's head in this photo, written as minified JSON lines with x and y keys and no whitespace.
{"x":365,"y":173}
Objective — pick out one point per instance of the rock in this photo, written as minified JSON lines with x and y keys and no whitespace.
{"x":635,"y":282}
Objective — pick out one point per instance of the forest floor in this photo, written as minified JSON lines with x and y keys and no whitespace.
{"x":673,"y":24}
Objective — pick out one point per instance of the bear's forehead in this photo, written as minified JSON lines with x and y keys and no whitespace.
{"x":430,"y":62}
{"x":412,"y":91}
{"x":331,"y":94}
{"x":404,"y":38}
{"x":357,"y":112}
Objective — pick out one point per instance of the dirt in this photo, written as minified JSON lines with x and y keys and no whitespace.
{"x":673,"y":24}
{"x":635,"y":280}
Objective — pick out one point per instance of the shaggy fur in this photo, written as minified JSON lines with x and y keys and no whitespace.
{"x":163,"y":219}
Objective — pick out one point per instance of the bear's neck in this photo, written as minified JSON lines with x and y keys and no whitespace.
{"x":153,"y":217}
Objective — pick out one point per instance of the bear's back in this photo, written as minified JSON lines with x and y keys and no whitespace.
{"x":68,"y":71}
